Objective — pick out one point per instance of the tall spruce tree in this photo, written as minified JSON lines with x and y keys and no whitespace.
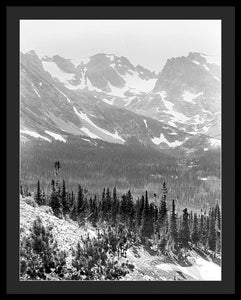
{"x":38,"y":195}
{"x":212,"y":231}
{"x":108,"y":204}
{"x":64,"y":199}
{"x":115,"y":205}
{"x":202,"y":229}
{"x":147,"y":223}
{"x":173,"y":225}
{"x":218,"y":227}
{"x":195,"y":233}
{"x":55,"y":201}
{"x":184,"y":235}
{"x":80,"y":202}
{"x":162,"y":218}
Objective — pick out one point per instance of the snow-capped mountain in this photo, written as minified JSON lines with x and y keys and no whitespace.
{"x":105,"y":97}
{"x":187,"y":95}
{"x":107,"y":73}
{"x":51,"y":111}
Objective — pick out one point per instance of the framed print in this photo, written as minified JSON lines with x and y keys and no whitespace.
{"x":120,"y":132}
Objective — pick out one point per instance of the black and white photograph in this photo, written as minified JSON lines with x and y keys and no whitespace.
{"x":120,"y":138}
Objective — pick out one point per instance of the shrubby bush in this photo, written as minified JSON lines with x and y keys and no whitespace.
{"x":94,"y":258}
{"x":40,"y":257}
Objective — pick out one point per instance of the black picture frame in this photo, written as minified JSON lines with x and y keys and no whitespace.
{"x":224,"y":13}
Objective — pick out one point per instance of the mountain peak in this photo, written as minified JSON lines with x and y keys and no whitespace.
{"x":196,"y":56}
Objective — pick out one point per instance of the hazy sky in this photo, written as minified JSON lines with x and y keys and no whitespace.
{"x":146,"y":42}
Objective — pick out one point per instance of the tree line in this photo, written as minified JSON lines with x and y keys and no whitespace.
{"x":148,"y":220}
{"x":121,"y":222}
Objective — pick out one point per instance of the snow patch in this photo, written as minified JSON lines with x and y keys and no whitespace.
{"x":189,"y":97}
{"x":206,"y":67}
{"x":40,"y":83}
{"x":36,"y":92}
{"x":34,"y":134}
{"x":110,"y":102}
{"x":89,"y":133}
{"x":56,"y":136}
{"x":196,"y":62}
{"x":215,"y":142}
{"x":162,"y":139}
{"x":111,"y":57}
{"x":145,"y":123}
{"x":177,"y":115}
{"x":64,"y":95}
{"x":133,"y":81}
{"x":200,"y":270}
{"x":56,"y":72}
{"x":84,"y":117}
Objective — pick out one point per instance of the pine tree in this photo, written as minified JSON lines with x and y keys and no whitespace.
{"x":95,"y":214}
{"x":218,"y":227}
{"x":173,"y":225}
{"x":139,"y":211}
{"x":130,"y":209}
{"x":44,"y":200}
{"x":195,"y":234}
{"x":123,"y":209}
{"x":162,"y":218}
{"x":55,"y":201}
{"x":115,"y":205}
{"x":164,"y":191}
{"x":108,"y":204}
{"x":202,"y":229}
{"x":38,"y":195}
{"x":184,"y":235}
{"x":147,"y":223}
{"x":64,"y":199}
{"x":80,"y":202}
{"x":212,"y":232}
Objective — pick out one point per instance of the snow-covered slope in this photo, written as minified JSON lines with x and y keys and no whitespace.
{"x":107,"y":73}
{"x":187,"y":95}
{"x":105,"y":97}
{"x":50,"y":111}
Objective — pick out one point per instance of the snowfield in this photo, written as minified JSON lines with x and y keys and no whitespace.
{"x":34,"y":134}
{"x":56,"y":136}
{"x":162,"y":139}
{"x":86,"y":121}
{"x":189,"y":97}
{"x":55,"y":71}
{"x":201,"y":269}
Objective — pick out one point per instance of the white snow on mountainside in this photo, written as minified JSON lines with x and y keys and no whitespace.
{"x":185,"y":95}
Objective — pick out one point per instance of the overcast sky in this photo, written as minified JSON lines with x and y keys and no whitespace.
{"x":146,"y":42}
